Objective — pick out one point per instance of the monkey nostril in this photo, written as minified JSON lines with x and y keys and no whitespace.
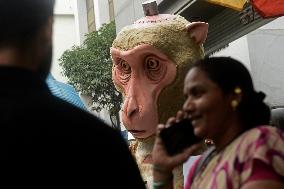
{"x":131,"y":107}
{"x":132,"y":112}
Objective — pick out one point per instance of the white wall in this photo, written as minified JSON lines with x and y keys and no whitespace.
{"x":64,"y":37}
{"x":70,"y":27}
{"x":64,"y":7}
{"x":126,"y":12}
{"x":81,"y":22}
{"x":238,"y":50}
{"x":267,"y":60}
{"x":101,"y":8}
{"x":275,"y":24}
{"x":262,"y":52}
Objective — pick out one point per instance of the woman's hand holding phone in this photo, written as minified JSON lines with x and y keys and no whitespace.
{"x":160,"y":154}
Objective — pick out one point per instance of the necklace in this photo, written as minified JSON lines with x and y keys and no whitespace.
{"x":209,"y":154}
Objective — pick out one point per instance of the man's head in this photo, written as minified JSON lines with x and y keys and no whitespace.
{"x":26,"y":28}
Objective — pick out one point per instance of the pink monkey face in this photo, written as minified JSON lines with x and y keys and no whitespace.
{"x":141,"y":73}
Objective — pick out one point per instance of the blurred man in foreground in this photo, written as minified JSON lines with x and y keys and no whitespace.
{"x":38,"y":128}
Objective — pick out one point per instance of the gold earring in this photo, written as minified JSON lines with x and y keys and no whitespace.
{"x":234,"y":104}
{"x":238,"y":90}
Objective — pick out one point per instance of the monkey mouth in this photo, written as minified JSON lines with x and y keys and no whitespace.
{"x":137,"y":131}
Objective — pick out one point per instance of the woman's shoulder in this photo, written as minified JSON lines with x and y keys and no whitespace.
{"x":263,"y":131}
{"x":259,"y":142}
{"x":265,"y":128}
{"x":264,"y":135}
{"x":263,"y":143}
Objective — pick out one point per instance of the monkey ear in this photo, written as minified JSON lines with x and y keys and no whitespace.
{"x":198,"y":31}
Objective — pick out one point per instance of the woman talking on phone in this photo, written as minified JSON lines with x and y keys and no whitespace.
{"x":222,"y":105}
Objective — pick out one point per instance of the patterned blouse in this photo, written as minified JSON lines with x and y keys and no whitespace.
{"x":256,"y":154}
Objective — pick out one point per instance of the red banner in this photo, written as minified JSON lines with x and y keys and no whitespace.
{"x":269,"y":8}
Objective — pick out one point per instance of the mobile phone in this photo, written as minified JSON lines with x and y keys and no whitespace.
{"x":179,"y":136}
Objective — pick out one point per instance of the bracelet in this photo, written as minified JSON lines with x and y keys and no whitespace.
{"x":161,"y":184}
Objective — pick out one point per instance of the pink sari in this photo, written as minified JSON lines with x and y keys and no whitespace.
{"x":256,"y":154}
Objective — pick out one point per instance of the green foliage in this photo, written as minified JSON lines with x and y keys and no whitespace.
{"x":88,"y":68}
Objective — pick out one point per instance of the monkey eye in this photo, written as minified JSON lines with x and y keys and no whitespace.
{"x":122,"y":71}
{"x":155,"y":70}
{"x":124,"y":67}
{"x":152,"y":64}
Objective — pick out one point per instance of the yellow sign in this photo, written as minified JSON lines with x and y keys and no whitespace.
{"x":233,"y":4}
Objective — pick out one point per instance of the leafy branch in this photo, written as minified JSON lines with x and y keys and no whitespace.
{"x":88,"y":68}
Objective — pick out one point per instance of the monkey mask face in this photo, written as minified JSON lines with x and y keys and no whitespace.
{"x":150,"y":60}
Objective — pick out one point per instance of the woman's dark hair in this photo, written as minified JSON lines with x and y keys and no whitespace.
{"x":20,"y":20}
{"x":228,"y":74}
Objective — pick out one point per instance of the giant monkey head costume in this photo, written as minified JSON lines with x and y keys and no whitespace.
{"x":150,"y":60}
